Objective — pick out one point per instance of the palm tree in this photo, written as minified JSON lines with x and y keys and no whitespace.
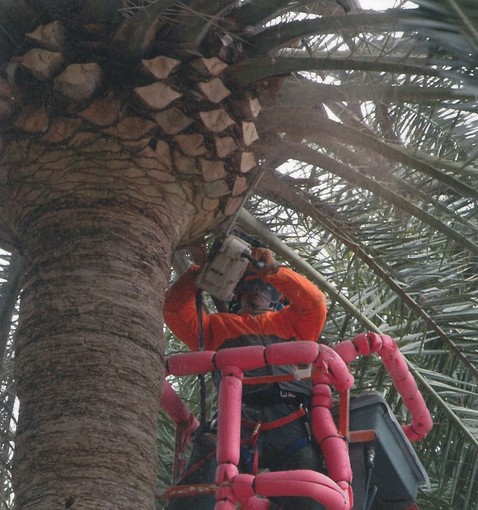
{"x":132,"y":128}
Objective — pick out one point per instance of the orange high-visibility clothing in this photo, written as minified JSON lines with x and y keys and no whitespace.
{"x":302,"y":319}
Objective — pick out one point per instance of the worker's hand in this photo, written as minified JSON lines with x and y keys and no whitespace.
{"x":266,"y":263}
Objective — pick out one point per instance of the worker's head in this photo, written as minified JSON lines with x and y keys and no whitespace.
{"x":255,"y":297}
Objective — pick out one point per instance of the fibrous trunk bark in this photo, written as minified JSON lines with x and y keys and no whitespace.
{"x":89,"y":359}
{"x":98,"y":229}
{"x":107,"y":163}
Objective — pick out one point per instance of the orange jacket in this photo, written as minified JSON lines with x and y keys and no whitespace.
{"x":303,"y":319}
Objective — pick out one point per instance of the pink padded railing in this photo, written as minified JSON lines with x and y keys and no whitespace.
{"x":329,"y":368}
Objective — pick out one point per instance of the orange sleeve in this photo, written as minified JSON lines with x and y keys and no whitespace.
{"x":308,"y":309}
{"x":180,"y":314}
{"x":303,"y":319}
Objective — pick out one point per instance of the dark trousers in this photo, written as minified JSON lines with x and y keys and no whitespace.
{"x":280,"y":449}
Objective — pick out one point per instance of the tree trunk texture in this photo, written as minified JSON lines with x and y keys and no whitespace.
{"x":89,"y":346}
{"x":107,"y":165}
{"x":89,"y":360}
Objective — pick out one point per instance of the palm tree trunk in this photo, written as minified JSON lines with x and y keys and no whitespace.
{"x":89,"y":358}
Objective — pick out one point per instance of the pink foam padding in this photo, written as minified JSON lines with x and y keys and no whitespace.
{"x":333,"y":370}
{"x":303,"y":483}
{"x":177,"y":410}
{"x":292,"y":353}
{"x":190,"y":363}
{"x":229,"y":417}
{"x":245,"y":358}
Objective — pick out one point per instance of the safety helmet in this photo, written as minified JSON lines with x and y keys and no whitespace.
{"x":256,"y":286}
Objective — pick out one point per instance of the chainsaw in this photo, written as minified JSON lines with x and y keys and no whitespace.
{"x":226,"y":265}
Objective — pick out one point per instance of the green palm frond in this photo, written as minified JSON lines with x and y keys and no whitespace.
{"x":451,"y":26}
{"x":283,"y":34}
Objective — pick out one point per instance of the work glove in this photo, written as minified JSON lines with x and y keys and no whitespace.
{"x":266,"y":264}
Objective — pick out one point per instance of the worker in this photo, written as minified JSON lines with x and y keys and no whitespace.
{"x":274,"y":305}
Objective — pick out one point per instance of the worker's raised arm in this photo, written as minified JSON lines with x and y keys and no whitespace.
{"x":308,"y":309}
{"x":180,"y":313}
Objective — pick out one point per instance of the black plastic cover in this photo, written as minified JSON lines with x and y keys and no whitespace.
{"x":397,"y":472}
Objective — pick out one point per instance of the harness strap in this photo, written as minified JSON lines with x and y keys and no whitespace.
{"x":293,"y":447}
{"x":270,"y":425}
{"x":258,"y":427}
{"x":252,"y":461}
{"x":194,"y":467}
{"x":202,"y":382}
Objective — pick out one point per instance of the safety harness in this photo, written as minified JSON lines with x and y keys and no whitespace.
{"x":249,"y":449}
{"x":202,"y":382}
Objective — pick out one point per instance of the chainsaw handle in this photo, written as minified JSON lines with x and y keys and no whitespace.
{"x":257,"y":263}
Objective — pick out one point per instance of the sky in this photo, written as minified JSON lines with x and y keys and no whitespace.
{"x":381,"y":4}
{"x":375,"y":4}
